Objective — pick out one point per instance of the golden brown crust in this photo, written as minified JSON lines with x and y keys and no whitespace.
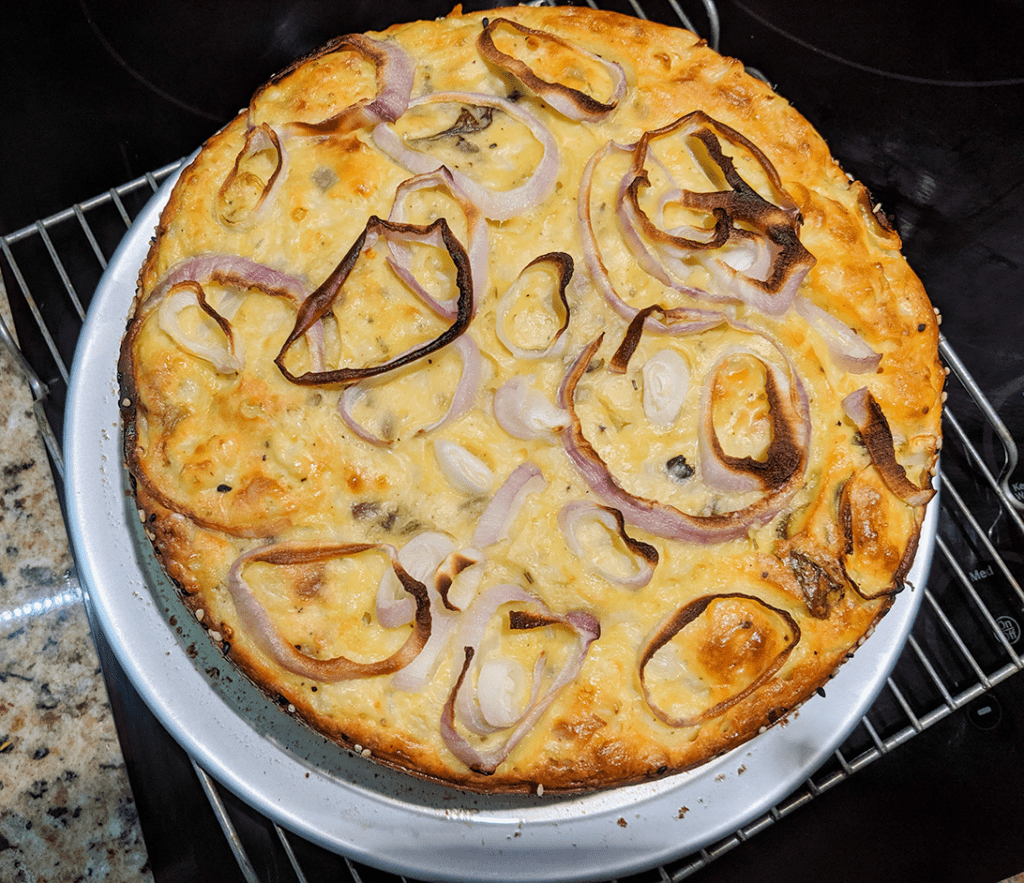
{"x":684,"y":647}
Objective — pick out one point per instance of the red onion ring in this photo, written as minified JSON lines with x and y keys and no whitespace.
{"x":645,"y":556}
{"x":686,"y":319}
{"x":460,"y":402}
{"x":660,"y":519}
{"x":862,"y":408}
{"x":787,"y":450}
{"x":471,"y":633}
{"x":232,"y":270}
{"x":567,"y":101}
{"x":257,"y":623}
{"x":496,"y":520}
{"x":556,"y":346}
{"x":526,"y":413}
{"x":478,"y":245}
{"x":395,"y":72}
{"x":227,"y":269}
{"x":420,"y":557}
{"x":487,"y":760}
{"x":256,"y":140}
{"x":848,"y":349}
{"x":634,"y":224}
{"x":675,"y":624}
{"x":776,"y":224}
{"x":319,"y":303}
{"x":226,"y":359}
{"x":495,"y":204}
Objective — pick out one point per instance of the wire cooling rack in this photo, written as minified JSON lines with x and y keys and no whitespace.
{"x":966,"y":640}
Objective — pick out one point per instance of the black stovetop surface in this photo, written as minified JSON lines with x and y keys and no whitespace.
{"x":923,"y":102}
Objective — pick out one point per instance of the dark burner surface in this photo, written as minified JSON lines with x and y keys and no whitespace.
{"x":950,"y":44}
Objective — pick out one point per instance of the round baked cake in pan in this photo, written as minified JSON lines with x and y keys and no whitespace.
{"x":529,"y":400}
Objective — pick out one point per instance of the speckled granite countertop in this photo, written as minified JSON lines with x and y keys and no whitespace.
{"x":66,"y":808}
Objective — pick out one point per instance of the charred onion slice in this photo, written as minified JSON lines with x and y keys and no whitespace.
{"x":818,"y":575}
{"x":497,"y":205}
{"x":688,"y":319}
{"x":670,"y":249}
{"x":227,"y":359}
{"x":866,"y":509}
{"x":457,"y":578}
{"x":239,"y":272}
{"x":787,"y":449}
{"x":256,"y":621}
{"x":420,"y":557}
{"x":675,"y":320}
{"x":395,"y":72}
{"x":431,"y":558}
{"x":645,"y":557}
{"x":257,"y":140}
{"x":423,"y":557}
{"x":478,"y":244}
{"x":686,"y":615}
{"x":567,"y":101}
{"x":462,"y":705}
{"x":777,"y":223}
{"x":660,"y":519}
{"x":860,"y":406}
{"x":319,"y":303}
{"x":556,"y":345}
{"x":460,"y":402}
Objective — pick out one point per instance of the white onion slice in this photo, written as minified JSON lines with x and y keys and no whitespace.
{"x":496,"y":205}
{"x":497,"y":519}
{"x":478,"y":246}
{"x":500,"y":685}
{"x":525,"y":412}
{"x":666,"y":378}
{"x":465,"y":471}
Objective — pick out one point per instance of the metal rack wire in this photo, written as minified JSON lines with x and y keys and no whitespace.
{"x":967,"y":638}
